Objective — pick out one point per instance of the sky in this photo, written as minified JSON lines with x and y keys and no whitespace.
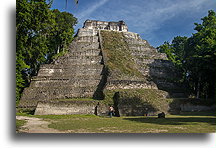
{"x":156,"y":21}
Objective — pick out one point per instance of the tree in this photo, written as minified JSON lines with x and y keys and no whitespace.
{"x":167,"y":48}
{"x":200,"y":60}
{"x":33,"y":24}
{"x":62,"y":35}
{"x":195,"y":57}
{"x":36,"y":27}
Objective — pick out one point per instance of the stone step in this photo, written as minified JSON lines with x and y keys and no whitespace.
{"x":159,"y":63}
{"x":86,"y":39}
{"x":132,"y":41}
{"x":131,"y":35}
{"x":67,"y":77}
{"x":76,"y":46}
{"x":78,"y":60}
{"x":47,"y":93}
{"x":143,"y":55}
{"x":51,"y":68}
{"x":86,"y":32}
{"x":70,"y":83}
{"x":145,"y":47}
{"x":148,"y":54}
{"x":88,"y":52}
{"x":128,"y":84}
{"x":77,"y":70}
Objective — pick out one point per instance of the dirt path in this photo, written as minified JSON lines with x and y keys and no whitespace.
{"x":36,"y":125}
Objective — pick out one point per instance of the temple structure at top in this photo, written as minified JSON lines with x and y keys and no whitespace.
{"x":102,"y":25}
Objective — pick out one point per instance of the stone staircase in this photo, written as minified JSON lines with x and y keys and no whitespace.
{"x":154,"y":65}
{"x":74,"y":75}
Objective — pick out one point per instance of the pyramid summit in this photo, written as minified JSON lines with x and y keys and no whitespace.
{"x":105,"y":64}
{"x":102,"y":25}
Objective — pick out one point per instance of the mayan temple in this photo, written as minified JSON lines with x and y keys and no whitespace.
{"x":105,"y":64}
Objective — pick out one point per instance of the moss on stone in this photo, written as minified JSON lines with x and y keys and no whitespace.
{"x":152,"y":98}
{"x":119,"y":59}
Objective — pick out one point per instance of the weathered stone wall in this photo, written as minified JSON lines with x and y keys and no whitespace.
{"x":130,"y":84}
{"x":70,"y":107}
{"x":190,"y":107}
{"x":140,"y":102}
{"x":101,"y":25}
{"x":74,"y":75}
{"x":154,"y":65}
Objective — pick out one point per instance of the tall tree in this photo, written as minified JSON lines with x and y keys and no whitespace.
{"x":62,"y":35}
{"x":33,"y":24}
{"x":195,"y":57}
{"x":36,"y":27}
{"x":200,"y":61}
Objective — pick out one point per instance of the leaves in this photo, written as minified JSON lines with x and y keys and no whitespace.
{"x":196,"y":57}
{"x":39,"y":33}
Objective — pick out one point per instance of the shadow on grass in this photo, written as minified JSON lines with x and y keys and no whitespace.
{"x":174,"y":121}
{"x":209,"y":113}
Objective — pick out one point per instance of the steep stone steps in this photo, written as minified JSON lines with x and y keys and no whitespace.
{"x":38,"y":95}
{"x":77,"y":74}
{"x":132,"y":41}
{"x":67,"y":77}
{"x":69,"y":83}
{"x":131,"y":35}
{"x":86,"y":39}
{"x":47,"y":93}
{"x":89,"y":52}
{"x":87,"y":32}
{"x":130,"y":84}
{"x":72,"y":60}
{"x":82,"y":46}
{"x":58,"y":67}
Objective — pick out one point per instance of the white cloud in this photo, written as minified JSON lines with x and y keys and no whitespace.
{"x":144,"y":16}
{"x":91,"y":9}
{"x":153,"y":15}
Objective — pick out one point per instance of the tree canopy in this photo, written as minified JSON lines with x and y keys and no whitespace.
{"x":195,"y":56}
{"x":41,"y":33}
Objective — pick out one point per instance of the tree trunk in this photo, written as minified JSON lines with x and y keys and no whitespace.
{"x":198,"y":88}
{"x":58,"y":49}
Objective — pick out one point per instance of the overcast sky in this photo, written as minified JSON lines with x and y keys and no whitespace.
{"x":155,"y":20}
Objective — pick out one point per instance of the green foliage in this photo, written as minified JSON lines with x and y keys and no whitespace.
{"x":19,"y":124}
{"x":119,"y":60}
{"x":62,"y":34}
{"x":175,"y":51}
{"x":37,"y":29}
{"x":200,"y":60}
{"x":61,"y":53}
{"x":195,"y":57}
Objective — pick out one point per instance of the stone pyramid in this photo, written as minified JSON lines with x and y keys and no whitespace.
{"x":86,"y":70}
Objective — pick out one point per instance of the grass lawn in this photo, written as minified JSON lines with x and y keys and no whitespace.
{"x":19,"y":123}
{"x":185,"y":123}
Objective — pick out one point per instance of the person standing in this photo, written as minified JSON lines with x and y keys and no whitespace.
{"x":111,"y":111}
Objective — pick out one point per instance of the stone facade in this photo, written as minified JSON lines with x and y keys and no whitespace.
{"x":74,"y":75}
{"x":81,"y":73}
{"x":70,"y":107}
{"x":102,"y":25}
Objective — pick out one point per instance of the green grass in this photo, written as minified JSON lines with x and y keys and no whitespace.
{"x":186,"y":122}
{"x":119,"y":59}
{"x":139,"y":124}
{"x":20,"y":123}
